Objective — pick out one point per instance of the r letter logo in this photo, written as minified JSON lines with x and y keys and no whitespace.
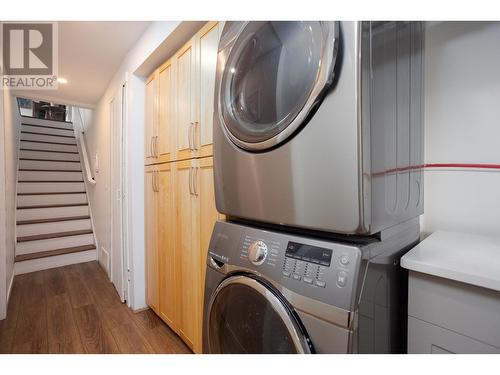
{"x":29,"y":56}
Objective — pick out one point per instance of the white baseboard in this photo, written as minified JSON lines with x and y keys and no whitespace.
{"x":34,"y":265}
{"x":104,"y":259}
{"x":9,"y":286}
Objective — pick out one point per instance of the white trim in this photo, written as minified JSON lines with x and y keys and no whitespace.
{"x":34,"y":265}
{"x":9,"y":288}
{"x":3,"y":249}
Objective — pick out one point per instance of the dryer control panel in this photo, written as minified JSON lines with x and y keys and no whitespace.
{"x":322,"y":270}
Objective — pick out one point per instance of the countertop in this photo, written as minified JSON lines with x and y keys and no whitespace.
{"x":468,"y":258}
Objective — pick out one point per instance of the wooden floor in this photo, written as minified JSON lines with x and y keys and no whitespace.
{"x":75,"y":309}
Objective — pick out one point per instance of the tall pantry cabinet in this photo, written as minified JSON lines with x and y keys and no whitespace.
{"x":179,"y":189}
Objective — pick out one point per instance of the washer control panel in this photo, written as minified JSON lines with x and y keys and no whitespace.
{"x":323,"y":270}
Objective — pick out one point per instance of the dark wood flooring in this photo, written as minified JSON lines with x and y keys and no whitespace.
{"x":75,"y":309}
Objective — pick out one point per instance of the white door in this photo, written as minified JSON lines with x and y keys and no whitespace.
{"x":117,"y":166}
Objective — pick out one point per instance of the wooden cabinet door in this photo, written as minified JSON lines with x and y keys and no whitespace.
{"x":166,"y":111}
{"x":185,"y":97}
{"x":166,"y":246}
{"x":151,"y":253}
{"x":186,"y":250}
{"x":207,"y":41}
{"x":208,"y":215}
{"x":151,"y":119}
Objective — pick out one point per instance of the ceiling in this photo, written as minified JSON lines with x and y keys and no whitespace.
{"x":90,"y":53}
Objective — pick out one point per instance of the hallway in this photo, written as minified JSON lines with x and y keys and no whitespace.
{"x":75,"y":309}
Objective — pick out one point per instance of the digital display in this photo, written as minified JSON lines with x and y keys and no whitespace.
{"x":309,"y":253}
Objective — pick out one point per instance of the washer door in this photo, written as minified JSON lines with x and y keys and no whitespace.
{"x":274,"y":75}
{"x":245,"y":316}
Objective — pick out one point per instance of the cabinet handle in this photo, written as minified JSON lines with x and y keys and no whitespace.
{"x":190,"y":136}
{"x":190,"y":180}
{"x":195,"y":181}
{"x":151,"y":147}
{"x":153,"y":181}
{"x":195,"y":137}
{"x":156,"y":147}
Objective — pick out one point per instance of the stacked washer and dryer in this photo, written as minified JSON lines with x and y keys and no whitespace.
{"x":318,"y":147}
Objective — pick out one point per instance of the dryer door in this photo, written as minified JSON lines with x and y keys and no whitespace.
{"x":274,"y":75}
{"x":246,"y":316}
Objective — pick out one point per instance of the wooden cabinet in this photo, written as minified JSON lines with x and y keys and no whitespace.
{"x":186,"y":245}
{"x":166,"y":111}
{"x":185,"y":61}
{"x":151,"y":118}
{"x":151,"y":235}
{"x":207,"y":41}
{"x":166,"y":245}
{"x":180,"y":200}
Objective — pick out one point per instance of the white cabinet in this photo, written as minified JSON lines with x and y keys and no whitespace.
{"x":454,"y":294}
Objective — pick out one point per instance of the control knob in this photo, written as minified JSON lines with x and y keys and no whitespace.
{"x":257,"y":252}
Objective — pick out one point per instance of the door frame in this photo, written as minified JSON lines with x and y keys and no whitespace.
{"x":117,"y":190}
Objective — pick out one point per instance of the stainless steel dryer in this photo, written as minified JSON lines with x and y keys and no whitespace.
{"x":270,"y":292}
{"x":318,"y":125}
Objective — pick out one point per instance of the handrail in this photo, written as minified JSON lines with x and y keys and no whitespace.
{"x":83,"y":147}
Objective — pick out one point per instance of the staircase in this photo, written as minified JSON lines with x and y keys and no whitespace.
{"x":53,"y":226}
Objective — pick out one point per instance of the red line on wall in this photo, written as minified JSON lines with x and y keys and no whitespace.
{"x":437,"y":165}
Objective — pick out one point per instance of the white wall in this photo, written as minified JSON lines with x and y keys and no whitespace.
{"x":462,"y":125}
{"x":9,"y":146}
{"x":98,"y":141}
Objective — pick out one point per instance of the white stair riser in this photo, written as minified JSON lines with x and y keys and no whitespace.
{"x":44,"y":187}
{"x":50,"y":213}
{"x":45,"y":155}
{"x":54,"y":261}
{"x":58,"y":226}
{"x":30,"y":247}
{"x":53,"y":131}
{"x":47,"y":138}
{"x":48,"y":147}
{"x":57,"y":165}
{"x":43,"y":122}
{"x":49,"y":176}
{"x":42,"y":200}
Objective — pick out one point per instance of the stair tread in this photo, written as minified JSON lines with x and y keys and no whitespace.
{"x":54,"y":151}
{"x":52,"y":220}
{"x":47,"y":142}
{"x":47,"y":236}
{"x":59,"y":161}
{"x":49,"y":253}
{"x":49,"y":170}
{"x":54,"y":193}
{"x":53,"y":206}
{"x":47,"y":127}
{"x":50,"y":135}
{"x":53,"y":181}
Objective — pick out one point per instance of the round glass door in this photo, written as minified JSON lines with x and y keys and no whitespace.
{"x":246,"y":317}
{"x":274,"y":74}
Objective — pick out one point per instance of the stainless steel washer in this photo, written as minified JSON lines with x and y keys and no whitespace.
{"x":270,"y":292}
{"x":318,"y":125}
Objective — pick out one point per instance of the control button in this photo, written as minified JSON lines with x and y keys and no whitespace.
{"x":308,"y":280}
{"x":286,"y":273}
{"x":296,"y":277}
{"x":344,"y":260}
{"x":341,"y":278}
{"x":320,"y":283}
